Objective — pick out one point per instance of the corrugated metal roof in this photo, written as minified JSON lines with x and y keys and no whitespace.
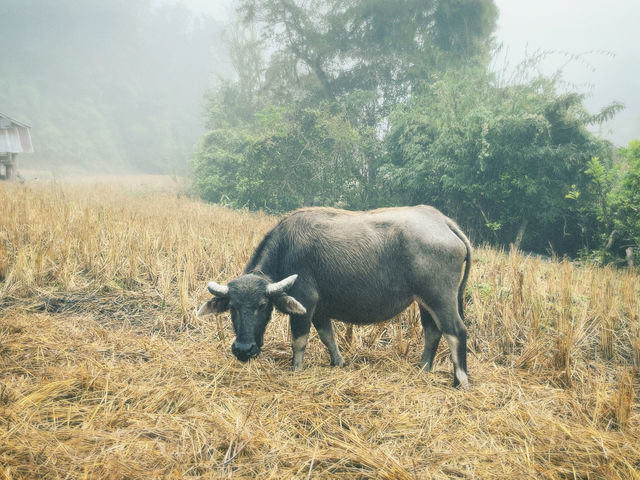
{"x":13,"y":120}
{"x":14,"y":136}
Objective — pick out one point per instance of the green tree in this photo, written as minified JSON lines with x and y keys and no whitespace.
{"x":289,"y":158}
{"x":614,"y":206}
{"x":333,"y":73}
{"x":627,"y":201}
{"x":502,"y":160}
{"x":329,"y":49}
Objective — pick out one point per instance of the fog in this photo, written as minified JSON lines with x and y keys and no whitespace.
{"x":120,"y":85}
{"x":603,"y":34}
{"x":109,"y":86}
{"x":594,"y":43}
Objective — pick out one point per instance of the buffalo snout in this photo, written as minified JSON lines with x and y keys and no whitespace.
{"x":245,"y":351}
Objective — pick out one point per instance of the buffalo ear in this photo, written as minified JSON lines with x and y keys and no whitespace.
{"x":215,"y":305}
{"x":290,"y":305}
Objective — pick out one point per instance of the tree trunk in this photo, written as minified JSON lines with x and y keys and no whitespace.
{"x":612,"y":238}
{"x":520,"y":235}
{"x":629,"y":254}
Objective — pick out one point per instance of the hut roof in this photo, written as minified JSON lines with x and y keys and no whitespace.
{"x":15,"y":136}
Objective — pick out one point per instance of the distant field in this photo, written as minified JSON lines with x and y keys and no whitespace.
{"x":105,"y":372}
{"x":126,"y":181}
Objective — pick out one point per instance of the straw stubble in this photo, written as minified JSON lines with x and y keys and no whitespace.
{"x":105,"y":372}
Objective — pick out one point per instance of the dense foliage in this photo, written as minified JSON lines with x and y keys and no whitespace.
{"x":289,"y":158}
{"x":306,"y":117}
{"x":362,"y":104}
{"x":504,"y":161}
{"x":614,"y":209}
{"x":112,"y":85}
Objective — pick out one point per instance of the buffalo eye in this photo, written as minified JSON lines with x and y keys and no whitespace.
{"x":262,"y":306}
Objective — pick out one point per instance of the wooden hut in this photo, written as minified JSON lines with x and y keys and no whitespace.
{"x":15,"y":138}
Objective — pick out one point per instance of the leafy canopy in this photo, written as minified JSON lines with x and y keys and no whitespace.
{"x":307,"y":112}
{"x":500,"y":159}
{"x":366,"y":103}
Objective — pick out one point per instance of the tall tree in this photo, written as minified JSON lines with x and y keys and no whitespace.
{"x":613,"y":206}
{"x":323,"y":64}
{"x":504,"y":161}
{"x":332,"y":48}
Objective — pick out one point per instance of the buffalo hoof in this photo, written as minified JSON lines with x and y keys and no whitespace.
{"x":340,"y":363}
{"x":462,"y":383}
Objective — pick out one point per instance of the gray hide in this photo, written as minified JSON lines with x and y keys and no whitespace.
{"x":319,"y":264}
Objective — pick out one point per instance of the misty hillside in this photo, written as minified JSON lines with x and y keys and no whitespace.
{"x":108,"y":86}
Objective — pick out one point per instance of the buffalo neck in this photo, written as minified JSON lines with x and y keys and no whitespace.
{"x":266,"y":261}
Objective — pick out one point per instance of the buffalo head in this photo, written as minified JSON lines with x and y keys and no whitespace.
{"x":250,"y":298}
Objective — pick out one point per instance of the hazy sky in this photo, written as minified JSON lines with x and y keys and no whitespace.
{"x":604,"y":33}
{"x":580,"y":27}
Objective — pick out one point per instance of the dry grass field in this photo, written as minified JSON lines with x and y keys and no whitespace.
{"x":106,"y":373}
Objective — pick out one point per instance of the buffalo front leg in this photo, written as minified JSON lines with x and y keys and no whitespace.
{"x":300,"y":326}
{"x":324,"y":328}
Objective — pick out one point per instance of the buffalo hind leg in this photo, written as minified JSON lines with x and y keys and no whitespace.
{"x":324,"y":328}
{"x":458,"y":346}
{"x":432,"y":335}
{"x":454,"y":331}
{"x":300,"y":326}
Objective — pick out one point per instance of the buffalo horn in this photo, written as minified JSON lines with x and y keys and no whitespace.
{"x":274,"y":289}
{"x":218,"y":290}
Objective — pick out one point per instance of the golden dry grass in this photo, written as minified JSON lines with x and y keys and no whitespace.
{"x":106,"y":373}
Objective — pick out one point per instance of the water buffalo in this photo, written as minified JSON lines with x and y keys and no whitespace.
{"x":319,"y":264}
